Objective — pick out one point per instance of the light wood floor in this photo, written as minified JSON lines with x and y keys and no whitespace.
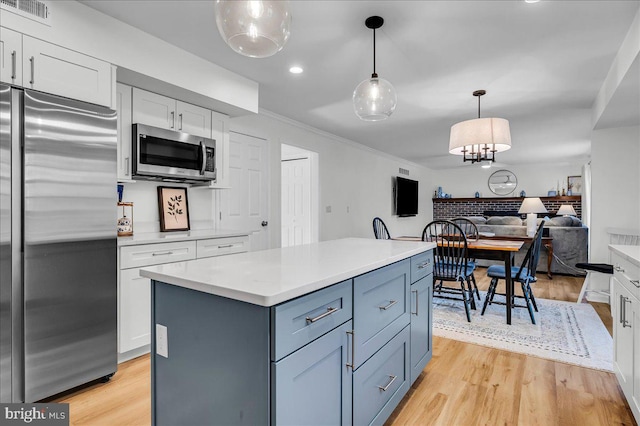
{"x":464,"y":384}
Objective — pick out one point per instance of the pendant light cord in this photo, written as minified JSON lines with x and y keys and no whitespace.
{"x":479,"y":106}
{"x":374,"y":53}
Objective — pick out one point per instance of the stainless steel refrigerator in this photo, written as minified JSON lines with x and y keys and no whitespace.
{"x":58,"y":288}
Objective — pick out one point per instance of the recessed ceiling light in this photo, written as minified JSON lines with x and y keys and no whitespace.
{"x":531,"y":1}
{"x":486,"y":165}
{"x":296,"y":70}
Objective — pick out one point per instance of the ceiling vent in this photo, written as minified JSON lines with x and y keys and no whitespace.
{"x":403,"y":171}
{"x":38,"y":10}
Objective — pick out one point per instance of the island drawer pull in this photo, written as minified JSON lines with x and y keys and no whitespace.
{"x":330,"y":311}
{"x":416,"y":292}
{"x":625,"y":322}
{"x":226,"y":246}
{"x":618,"y":268}
{"x":636,"y":283}
{"x":424,"y":264}
{"x":391,"y":303}
{"x":164,"y":253}
{"x":353,"y":350}
{"x":393,"y":379}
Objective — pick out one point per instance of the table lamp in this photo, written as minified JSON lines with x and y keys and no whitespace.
{"x":566,"y":210}
{"x":532,"y":206}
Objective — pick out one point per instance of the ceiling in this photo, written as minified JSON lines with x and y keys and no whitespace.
{"x":541,"y":64}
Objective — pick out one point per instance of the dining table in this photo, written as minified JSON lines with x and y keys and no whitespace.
{"x":503,"y":250}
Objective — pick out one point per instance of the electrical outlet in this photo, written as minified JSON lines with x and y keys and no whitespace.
{"x":162,"y":343}
{"x":328,"y":209}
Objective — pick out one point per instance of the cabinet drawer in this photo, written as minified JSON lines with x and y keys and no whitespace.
{"x":381,"y":382}
{"x":154,"y":254}
{"x":300,"y":321}
{"x":627,"y":273}
{"x":220,"y":246}
{"x":381,"y":307}
{"x":421,"y":265}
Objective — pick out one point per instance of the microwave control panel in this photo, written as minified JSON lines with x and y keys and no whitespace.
{"x":211,"y":165}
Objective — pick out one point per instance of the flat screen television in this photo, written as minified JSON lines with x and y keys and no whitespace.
{"x":406,"y":197}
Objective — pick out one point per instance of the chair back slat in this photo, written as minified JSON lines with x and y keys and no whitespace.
{"x":380,"y":229}
{"x":451,"y":253}
{"x":469,"y":228}
{"x":530,"y":260}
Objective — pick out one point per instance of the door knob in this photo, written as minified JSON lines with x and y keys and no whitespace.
{"x":265,"y":223}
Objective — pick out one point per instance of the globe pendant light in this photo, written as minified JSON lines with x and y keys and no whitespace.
{"x":479,"y":140}
{"x":254,"y":28}
{"x":374,"y":99}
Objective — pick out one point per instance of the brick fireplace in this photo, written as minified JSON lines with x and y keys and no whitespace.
{"x":447,"y":208}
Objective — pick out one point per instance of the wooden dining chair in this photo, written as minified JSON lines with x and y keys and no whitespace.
{"x":380,"y":229}
{"x":471,"y":232}
{"x":525,"y":274}
{"x":451,"y":263}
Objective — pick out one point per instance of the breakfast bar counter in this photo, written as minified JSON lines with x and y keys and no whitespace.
{"x":331,"y":332}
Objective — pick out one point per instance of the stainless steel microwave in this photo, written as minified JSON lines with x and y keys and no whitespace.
{"x":162,"y":154}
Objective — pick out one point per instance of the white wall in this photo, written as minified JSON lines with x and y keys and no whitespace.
{"x":355,"y":181}
{"x":535,"y":179}
{"x":615,"y":168}
{"x":146,"y":218}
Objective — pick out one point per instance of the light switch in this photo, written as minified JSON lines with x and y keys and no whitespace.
{"x":162,"y":343}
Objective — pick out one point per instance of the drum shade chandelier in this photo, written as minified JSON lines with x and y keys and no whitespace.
{"x":479,"y":139}
{"x":257,"y":29}
{"x":375,"y":98}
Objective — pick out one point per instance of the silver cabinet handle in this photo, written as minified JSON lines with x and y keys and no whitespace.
{"x":165,"y":253}
{"x":391,"y":303}
{"x":424,"y":265}
{"x":353,"y":350}
{"x":393,"y":379}
{"x":180,"y":115}
{"x":173,"y":118}
{"x":13,"y":65}
{"x":33,"y":66}
{"x":625,"y":323}
{"x":227,"y":246}
{"x":416,"y":292}
{"x":618,"y":268}
{"x":620,"y":318}
{"x":127,"y":170}
{"x":636,"y":283}
{"x":330,"y":311}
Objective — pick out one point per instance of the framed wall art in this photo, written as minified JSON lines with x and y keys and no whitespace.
{"x":574,"y":184}
{"x":174,"y":209}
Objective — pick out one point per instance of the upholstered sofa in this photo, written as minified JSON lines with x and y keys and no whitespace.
{"x":570,"y":239}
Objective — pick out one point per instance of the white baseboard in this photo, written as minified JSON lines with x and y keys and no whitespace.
{"x":133,"y":353}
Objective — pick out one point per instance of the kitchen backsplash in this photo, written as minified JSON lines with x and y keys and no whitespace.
{"x":144,"y":196}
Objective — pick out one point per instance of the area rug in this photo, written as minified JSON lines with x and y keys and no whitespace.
{"x":566,"y":332}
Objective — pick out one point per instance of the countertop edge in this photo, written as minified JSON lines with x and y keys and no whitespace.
{"x":625,"y":252}
{"x":159,"y":238}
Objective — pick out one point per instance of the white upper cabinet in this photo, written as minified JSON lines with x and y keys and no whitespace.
{"x":53,"y":69}
{"x":167,"y":113}
{"x":10,"y":57}
{"x":123,"y":106}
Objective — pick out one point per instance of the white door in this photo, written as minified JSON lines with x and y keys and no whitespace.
{"x":245,"y":206}
{"x":296,"y":202}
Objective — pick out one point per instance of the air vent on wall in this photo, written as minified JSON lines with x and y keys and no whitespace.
{"x":403,"y":171}
{"x":38,"y":10}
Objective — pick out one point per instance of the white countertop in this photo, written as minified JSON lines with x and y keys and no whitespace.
{"x":269,"y":277}
{"x":165,"y":237}
{"x":631,"y":253}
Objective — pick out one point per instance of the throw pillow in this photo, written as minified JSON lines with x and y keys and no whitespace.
{"x":561,"y":221}
{"x":504,"y":220}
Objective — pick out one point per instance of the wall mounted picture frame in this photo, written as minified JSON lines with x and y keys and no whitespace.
{"x":574,"y":184}
{"x":173,"y":209}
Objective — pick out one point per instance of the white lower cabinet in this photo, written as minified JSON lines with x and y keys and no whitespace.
{"x":134,"y":291}
{"x":625,"y":308}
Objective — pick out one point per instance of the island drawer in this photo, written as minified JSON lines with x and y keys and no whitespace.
{"x":382,"y":381}
{"x":300,"y":321}
{"x":155,"y":254}
{"x":421,"y":265}
{"x":221,"y":246}
{"x":381,"y":307}
{"x":627,"y":273}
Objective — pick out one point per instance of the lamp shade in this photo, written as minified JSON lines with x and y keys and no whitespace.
{"x":374,"y":99}
{"x":254,"y":28}
{"x":532,"y":205}
{"x":479,"y":133}
{"x":566,"y":210}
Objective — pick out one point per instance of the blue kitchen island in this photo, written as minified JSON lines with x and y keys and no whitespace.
{"x":326,"y":333}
